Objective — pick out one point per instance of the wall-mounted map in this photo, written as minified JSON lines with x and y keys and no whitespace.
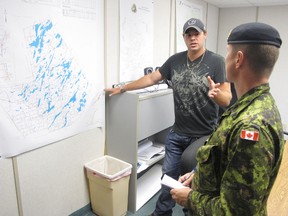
{"x":51,"y":71}
{"x":136,"y":38}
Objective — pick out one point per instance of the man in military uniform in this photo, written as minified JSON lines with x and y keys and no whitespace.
{"x":238,"y":164}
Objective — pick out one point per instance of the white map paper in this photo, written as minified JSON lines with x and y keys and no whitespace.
{"x":51,"y":72}
{"x":136,"y":38}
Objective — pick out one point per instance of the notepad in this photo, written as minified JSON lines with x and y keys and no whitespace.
{"x":172,"y":183}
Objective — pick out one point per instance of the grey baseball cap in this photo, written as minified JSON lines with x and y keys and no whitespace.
{"x":194,"y":23}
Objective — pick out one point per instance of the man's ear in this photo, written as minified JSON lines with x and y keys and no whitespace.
{"x":239,"y":59}
{"x":205,"y":34}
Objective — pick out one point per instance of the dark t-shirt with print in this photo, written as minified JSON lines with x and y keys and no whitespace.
{"x":195,"y":113}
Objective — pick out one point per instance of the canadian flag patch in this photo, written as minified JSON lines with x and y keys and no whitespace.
{"x":249,"y":135}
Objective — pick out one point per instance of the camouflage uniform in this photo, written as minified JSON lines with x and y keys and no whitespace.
{"x":234,"y":175}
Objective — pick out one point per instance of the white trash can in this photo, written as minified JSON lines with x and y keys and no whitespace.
{"x":109,"y":185}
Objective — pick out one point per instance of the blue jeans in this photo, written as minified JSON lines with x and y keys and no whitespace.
{"x":174,"y":147}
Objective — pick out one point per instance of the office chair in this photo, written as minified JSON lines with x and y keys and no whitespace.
{"x":188,"y":158}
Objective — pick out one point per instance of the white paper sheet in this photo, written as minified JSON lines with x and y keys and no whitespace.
{"x":172,"y":183}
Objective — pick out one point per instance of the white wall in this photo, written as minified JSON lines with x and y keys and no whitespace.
{"x":228,"y":19}
{"x":162,"y":30}
{"x":51,"y":179}
{"x":212,"y":18}
{"x":275,"y":16}
{"x":279,"y":77}
{"x":112,"y":37}
{"x":8,"y":204}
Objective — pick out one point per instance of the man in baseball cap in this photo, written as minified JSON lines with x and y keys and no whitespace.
{"x":197,"y":99}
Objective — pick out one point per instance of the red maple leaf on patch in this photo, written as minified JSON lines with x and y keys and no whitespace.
{"x":249,"y":135}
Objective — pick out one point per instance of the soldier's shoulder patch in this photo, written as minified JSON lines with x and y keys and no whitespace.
{"x":250,"y":135}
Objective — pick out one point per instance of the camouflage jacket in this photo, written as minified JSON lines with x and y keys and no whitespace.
{"x":238,"y":165}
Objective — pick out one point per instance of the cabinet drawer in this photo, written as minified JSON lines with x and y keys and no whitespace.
{"x":155,"y":114}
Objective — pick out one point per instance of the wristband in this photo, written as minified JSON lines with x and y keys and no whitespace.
{"x":122,"y":89}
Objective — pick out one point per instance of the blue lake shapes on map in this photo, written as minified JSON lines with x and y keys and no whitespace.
{"x":59,"y":90}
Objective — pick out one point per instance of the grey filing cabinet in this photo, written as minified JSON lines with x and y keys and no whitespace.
{"x":132,"y":117}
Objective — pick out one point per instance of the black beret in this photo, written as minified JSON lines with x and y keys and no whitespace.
{"x":255,"y":33}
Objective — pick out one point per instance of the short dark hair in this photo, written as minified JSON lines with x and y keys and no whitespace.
{"x":261,"y":57}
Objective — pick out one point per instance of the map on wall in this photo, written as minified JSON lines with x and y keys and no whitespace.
{"x":136,"y":38}
{"x":185,"y":10}
{"x":51,"y":72}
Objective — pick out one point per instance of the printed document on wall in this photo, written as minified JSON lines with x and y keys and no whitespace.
{"x":136,"y":38}
{"x":51,"y":71}
{"x":185,"y":10}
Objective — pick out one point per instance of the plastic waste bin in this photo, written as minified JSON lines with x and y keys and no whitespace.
{"x":109,"y":185}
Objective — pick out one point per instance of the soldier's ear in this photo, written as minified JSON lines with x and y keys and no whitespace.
{"x":239,"y":59}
